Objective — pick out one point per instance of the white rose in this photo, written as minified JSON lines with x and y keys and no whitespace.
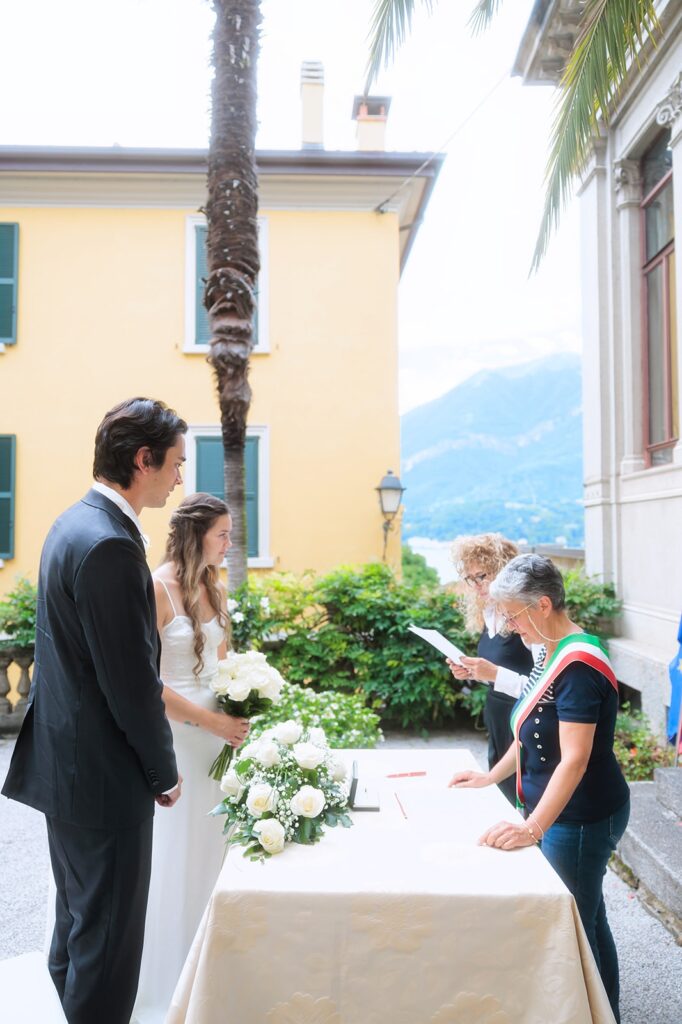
{"x":288,"y":732}
{"x":308,"y":802}
{"x":270,"y":835}
{"x":249,"y":750}
{"x":317,"y":736}
{"x":339,"y":771}
{"x":271,"y":687}
{"x":308,"y":755}
{"x":238,"y":616}
{"x":268,"y":753}
{"x":232,"y":785}
{"x":261,"y":798}
{"x":238,"y":689}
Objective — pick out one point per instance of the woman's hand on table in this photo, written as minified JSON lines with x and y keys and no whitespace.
{"x":506,"y":836}
{"x":470,"y":780}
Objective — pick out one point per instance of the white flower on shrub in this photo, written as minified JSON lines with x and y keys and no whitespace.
{"x":261,"y":798}
{"x":288,"y":732}
{"x":308,"y":802}
{"x":232,"y":785}
{"x":238,"y":617}
{"x":317,"y":736}
{"x":268,"y":753}
{"x":308,"y":755}
{"x":270,"y":835}
{"x":265,"y":604}
{"x":232,"y":605}
{"x":339,"y":771}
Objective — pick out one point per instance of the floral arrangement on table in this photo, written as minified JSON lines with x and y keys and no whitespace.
{"x":245,"y":686}
{"x":283,"y":787}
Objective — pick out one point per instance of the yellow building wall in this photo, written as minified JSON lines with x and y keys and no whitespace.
{"x":101,"y":318}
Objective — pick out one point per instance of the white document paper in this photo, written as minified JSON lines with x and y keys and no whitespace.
{"x":441,"y":643}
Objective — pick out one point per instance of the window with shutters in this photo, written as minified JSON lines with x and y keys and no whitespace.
{"x":204,"y":472}
{"x":8,"y":444}
{"x":9,"y":263}
{"x":197,"y":333}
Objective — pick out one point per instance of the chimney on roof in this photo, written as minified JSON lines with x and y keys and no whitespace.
{"x":312,"y":104}
{"x":370,"y":114}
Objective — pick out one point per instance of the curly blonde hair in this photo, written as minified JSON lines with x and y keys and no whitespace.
{"x":184,"y":548}
{"x":491,"y":551}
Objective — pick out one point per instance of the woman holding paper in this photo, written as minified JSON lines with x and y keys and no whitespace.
{"x":503,"y":659}
{"x":576,"y":800}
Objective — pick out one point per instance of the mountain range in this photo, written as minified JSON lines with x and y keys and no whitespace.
{"x":501,"y":451}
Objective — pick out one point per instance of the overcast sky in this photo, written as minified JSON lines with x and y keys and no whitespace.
{"x":137,"y":73}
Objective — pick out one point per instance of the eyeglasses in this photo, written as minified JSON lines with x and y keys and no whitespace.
{"x":476,"y":580}
{"x":509,"y":619}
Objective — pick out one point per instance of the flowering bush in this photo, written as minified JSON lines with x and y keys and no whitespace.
{"x":638,"y":751}
{"x":245,"y":686}
{"x":344,"y":717}
{"x":284,"y":787}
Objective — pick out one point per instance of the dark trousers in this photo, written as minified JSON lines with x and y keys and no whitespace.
{"x":579,"y":855}
{"x":102,"y":880}
{"x":496,"y":714}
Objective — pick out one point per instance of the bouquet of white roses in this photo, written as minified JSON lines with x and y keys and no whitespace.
{"x":284,"y":787}
{"x":245,"y":686}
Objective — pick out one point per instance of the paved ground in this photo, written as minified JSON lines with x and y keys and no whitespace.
{"x":651,"y":962}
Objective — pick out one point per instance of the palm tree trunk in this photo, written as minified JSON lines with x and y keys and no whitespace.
{"x":232,"y":244}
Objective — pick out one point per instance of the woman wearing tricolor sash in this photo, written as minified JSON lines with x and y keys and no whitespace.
{"x":570,"y":788}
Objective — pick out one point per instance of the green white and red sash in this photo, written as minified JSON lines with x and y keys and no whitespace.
{"x":576,"y":647}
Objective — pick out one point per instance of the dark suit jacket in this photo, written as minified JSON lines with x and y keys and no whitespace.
{"x":95,"y":745}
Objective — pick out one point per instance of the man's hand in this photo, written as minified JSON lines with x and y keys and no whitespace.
{"x":168,"y":799}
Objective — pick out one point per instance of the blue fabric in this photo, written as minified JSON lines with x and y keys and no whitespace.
{"x":581,"y":694}
{"x":675,"y":672}
{"x":579,"y":854}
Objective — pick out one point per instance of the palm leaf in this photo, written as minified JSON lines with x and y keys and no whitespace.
{"x":391,"y":23}
{"x":611,"y":38}
{"x":482,"y":14}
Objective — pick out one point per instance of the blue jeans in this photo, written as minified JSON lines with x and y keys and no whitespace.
{"x":579,"y":855}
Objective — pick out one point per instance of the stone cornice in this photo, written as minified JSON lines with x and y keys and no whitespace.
{"x":399,"y":183}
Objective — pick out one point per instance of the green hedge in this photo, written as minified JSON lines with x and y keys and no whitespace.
{"x":347,"y":631}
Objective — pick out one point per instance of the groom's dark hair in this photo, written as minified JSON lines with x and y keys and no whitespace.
{"x":131,"y":425}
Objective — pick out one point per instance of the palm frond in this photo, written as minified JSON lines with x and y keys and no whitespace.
{"x":612,"y":35}
{"x":482,"y":14}
{"x":391,"y":23}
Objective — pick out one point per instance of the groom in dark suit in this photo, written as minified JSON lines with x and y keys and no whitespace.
{"x":95,"y":750}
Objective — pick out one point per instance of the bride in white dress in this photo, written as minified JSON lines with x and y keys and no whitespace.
{"x":188,"y":844}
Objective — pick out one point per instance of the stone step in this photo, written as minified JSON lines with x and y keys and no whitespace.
{"x":669,"y":788}
{"x":652,"y":846}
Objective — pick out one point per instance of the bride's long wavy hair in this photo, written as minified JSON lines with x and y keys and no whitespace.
{"x":189,"y":523}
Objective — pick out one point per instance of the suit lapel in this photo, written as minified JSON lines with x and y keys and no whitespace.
{"x":100,"y":501}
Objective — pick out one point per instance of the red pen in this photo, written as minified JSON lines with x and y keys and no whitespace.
{"x":405,"y":775}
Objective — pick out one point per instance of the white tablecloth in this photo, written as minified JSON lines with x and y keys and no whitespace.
{"x":399,"y":920}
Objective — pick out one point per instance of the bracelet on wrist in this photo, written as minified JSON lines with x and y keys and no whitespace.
{"x":539,"y":828}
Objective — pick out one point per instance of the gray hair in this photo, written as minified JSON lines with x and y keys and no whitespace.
{"x":528,"y":578}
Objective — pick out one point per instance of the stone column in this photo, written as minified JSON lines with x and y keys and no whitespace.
{"x":627,"y":183}
{"x":596,"y":286}
{"x":669,"y":114}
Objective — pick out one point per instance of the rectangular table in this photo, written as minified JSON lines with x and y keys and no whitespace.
{"x":401,"y":919}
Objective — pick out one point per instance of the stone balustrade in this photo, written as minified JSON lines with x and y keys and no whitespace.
{"x":15,"y":683}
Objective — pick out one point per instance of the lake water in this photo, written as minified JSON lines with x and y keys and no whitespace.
{"x":437,"y":555}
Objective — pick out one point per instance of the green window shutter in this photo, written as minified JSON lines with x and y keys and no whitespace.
{"x":251,"y":467}
{"x":202,"y":330}
{"x":8,"y":444}
{"x":9,"y":261}
{"x":210,"y":479}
